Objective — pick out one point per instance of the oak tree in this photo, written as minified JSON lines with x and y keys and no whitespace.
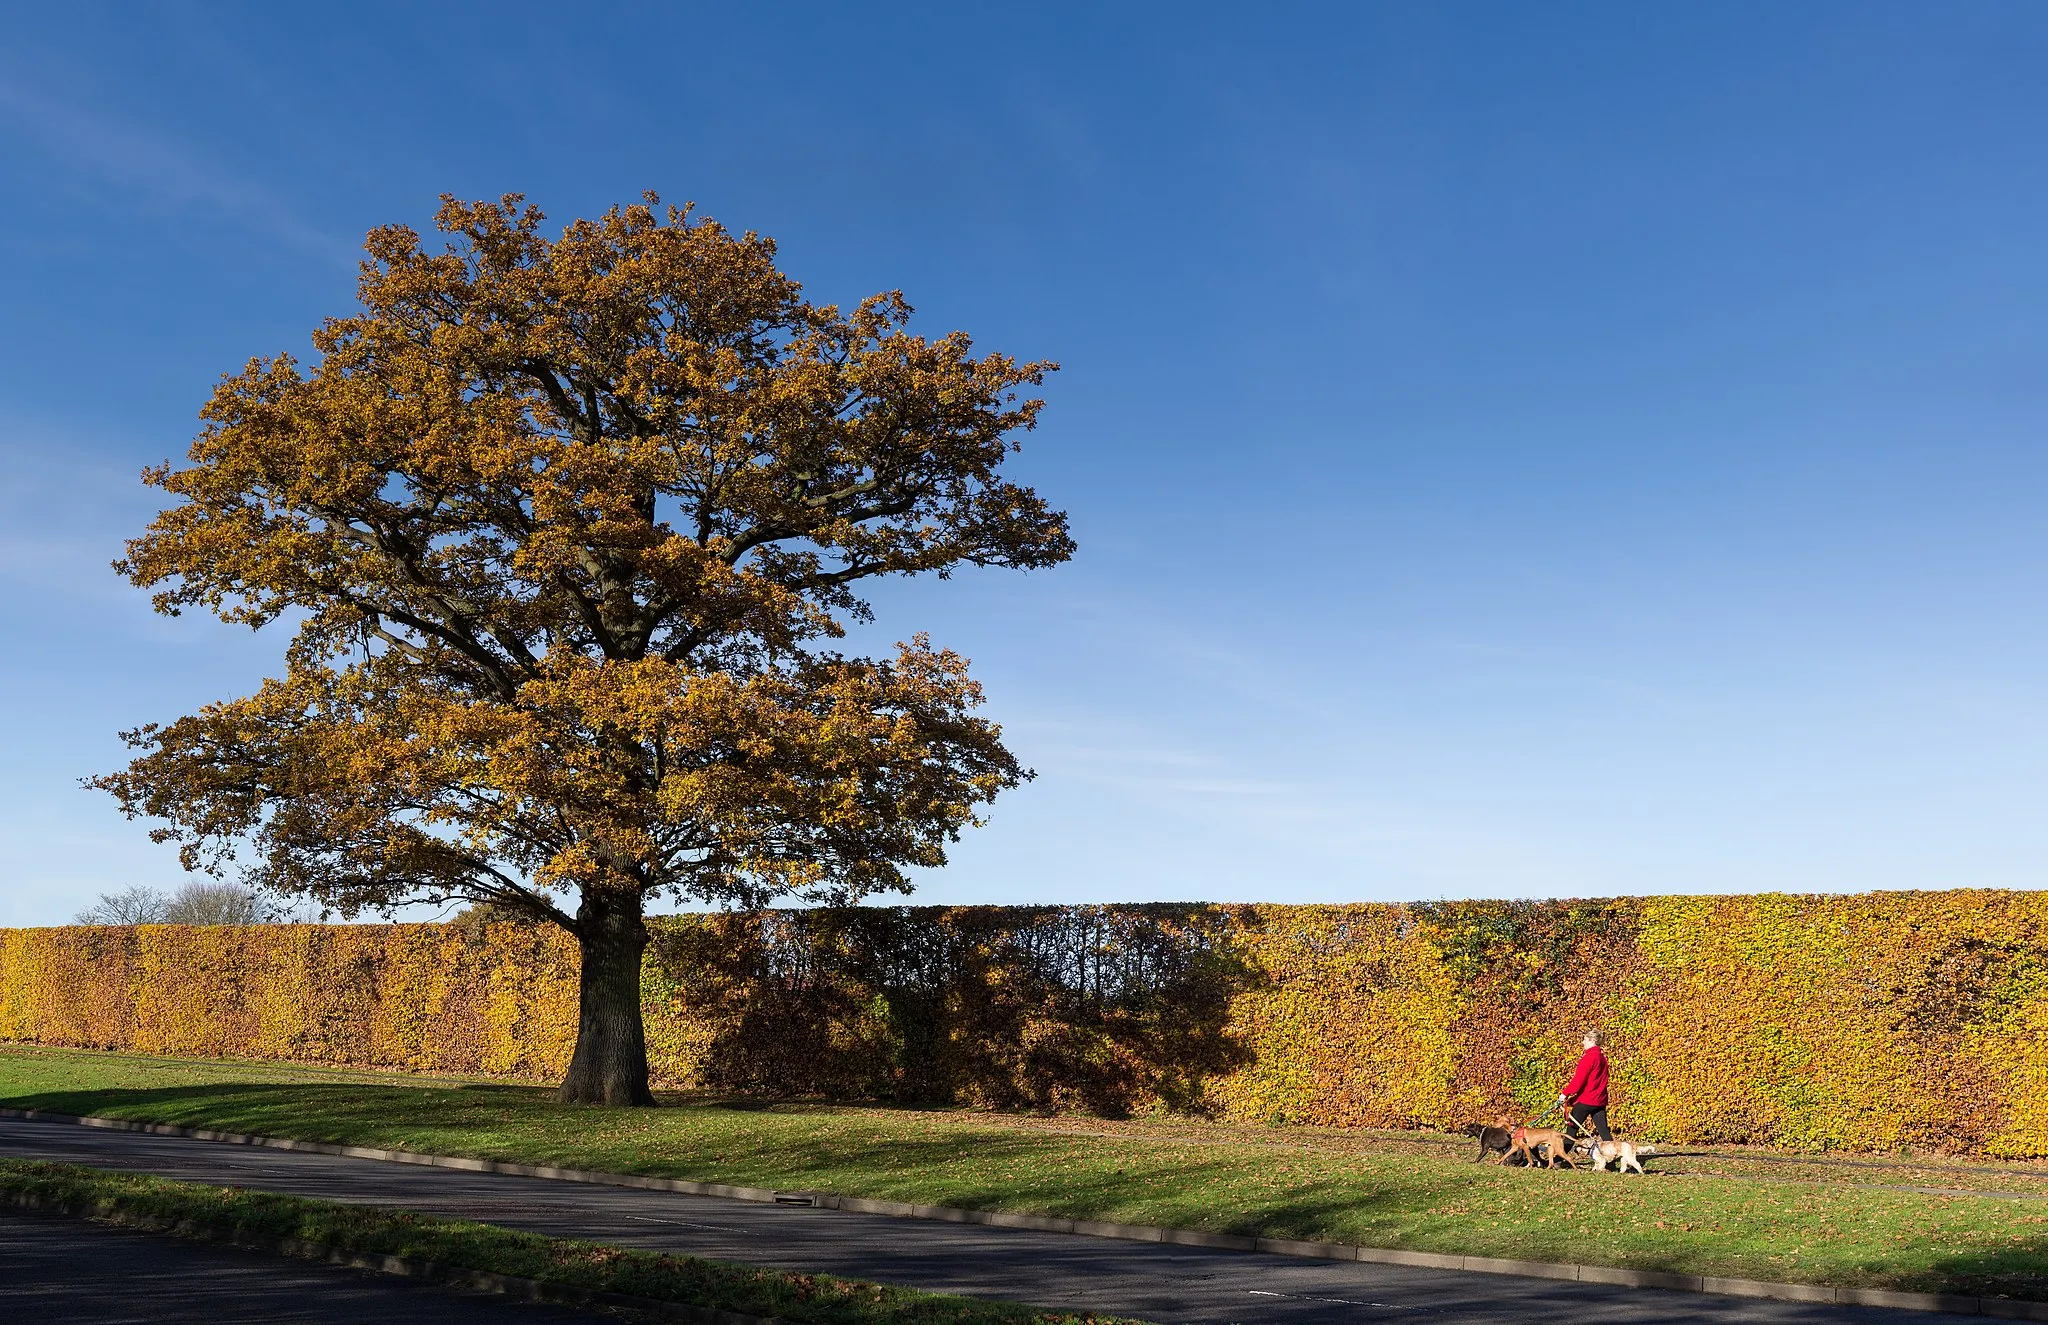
{"x":564,"y":528}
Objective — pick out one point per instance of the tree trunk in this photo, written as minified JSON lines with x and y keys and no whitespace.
{"x":610,"y":1065}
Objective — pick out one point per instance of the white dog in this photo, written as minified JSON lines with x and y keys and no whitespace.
{"x":1624,"y":1155}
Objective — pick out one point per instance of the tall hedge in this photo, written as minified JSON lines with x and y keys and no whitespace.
{"x":1864,"y":1022}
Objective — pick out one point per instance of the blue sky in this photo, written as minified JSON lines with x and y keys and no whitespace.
{"x":1516,"y":450}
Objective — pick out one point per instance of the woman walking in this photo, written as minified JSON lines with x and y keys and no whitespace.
{"x":1586,"y":1092}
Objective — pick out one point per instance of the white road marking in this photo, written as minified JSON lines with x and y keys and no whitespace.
{"x":684,"y":1223}
{"x":1336,"y":1301}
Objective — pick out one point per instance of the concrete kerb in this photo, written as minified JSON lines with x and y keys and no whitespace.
{"x":482,"y":1281}
{"x":2003,"y":1308}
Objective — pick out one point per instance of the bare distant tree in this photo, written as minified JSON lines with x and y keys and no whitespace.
{"x":136,"y":906}
{"x":193,"y":904}
{"x":215,"y":904}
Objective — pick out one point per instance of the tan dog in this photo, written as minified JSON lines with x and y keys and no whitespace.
{"x":1624,"y":1155}
{"x":1556,"y":1146}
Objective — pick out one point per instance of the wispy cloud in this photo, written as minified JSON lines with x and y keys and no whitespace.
{"x":64,"y":514}
{"x":1309,"y":832}
{"x":1084,"y":755}
{"x":1278,"y":677}
{"x":157,"y":168}
{"x":1166,"y":774}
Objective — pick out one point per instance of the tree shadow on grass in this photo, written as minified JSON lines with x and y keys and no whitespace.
{"x":248,"y":1106}
{"x":2017,"y":1271}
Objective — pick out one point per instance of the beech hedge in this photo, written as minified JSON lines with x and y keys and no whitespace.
{"x":1867,"y":1022}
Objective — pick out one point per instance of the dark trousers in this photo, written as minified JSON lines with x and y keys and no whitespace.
{"x":1590,"y":1119}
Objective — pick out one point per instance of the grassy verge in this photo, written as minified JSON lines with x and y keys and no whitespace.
{"x":227,"y":1212}
{"x":1706,"y":1215}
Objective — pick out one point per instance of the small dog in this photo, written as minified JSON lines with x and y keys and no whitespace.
{"x":1624,"y":1155}
{"x":1525,"y":1141}
{"x":1491,"y":1139}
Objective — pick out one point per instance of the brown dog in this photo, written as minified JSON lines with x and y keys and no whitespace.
{"x":1525,"y":1141}
{"x":1492,"y":1140}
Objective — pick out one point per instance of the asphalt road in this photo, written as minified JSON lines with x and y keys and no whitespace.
{"x":1161,"y":1283}
{"x":60,"y":1271}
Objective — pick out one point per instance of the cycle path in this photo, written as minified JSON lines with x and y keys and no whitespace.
{"x":1154,"y":1281}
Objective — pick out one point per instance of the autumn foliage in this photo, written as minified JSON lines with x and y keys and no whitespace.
{"x":565,"y":529}
{"x":1861,"y":1022}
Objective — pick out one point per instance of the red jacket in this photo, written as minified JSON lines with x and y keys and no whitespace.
{"x":1589,"y":1080}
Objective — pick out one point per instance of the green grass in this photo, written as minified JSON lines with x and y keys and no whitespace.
{"x":1707,"y":1214}
{"x":195,"y":1209}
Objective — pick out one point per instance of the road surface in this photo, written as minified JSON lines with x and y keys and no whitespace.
{"x":56,"y":1270}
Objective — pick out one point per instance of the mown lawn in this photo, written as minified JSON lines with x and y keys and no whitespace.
{"x":196,"y":1209}
{"x":1711,"y":1215}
